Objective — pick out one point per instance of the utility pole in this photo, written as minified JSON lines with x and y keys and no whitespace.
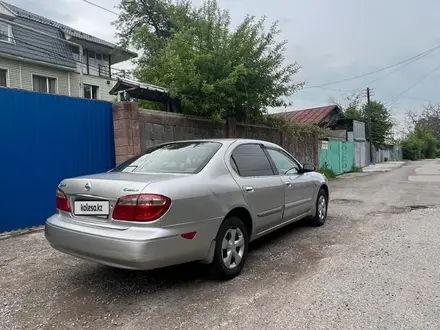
{"x":369,"y":126}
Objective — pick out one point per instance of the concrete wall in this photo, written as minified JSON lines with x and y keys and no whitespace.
{"x":157,"y":127}
{"x":138,"y":129}
{"x":303,"y":147}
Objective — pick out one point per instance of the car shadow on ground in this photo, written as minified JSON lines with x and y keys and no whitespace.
{"x":279,"y":235}
{"x":125,"y":281}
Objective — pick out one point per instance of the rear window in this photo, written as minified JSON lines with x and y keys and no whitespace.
{"x":183,"y":157}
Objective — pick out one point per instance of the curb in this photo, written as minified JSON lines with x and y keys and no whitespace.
{"x":403,"y":163}
{"x":20,"y":232}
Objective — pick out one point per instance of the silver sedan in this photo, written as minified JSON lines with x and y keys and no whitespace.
{"x":199,"y":200}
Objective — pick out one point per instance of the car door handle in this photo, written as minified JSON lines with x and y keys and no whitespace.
{"x":249,"y":189}
{"x":288,"y":184}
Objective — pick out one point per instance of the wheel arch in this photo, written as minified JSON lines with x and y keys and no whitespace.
{"x":326,"y":190}
{"x":244,"y":215}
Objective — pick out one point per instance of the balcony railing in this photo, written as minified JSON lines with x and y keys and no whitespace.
{"x":103,"y":71}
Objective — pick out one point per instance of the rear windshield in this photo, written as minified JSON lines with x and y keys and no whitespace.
{"x":183,"y":157}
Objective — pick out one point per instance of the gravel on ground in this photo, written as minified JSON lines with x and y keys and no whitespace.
{"x":373,"y":265}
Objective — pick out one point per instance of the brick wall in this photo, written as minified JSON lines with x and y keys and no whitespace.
{"x":126,"y":130}
{"x":157,"y":127}
{"x":138,"y":129}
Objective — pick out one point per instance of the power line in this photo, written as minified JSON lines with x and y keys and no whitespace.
{"x":101,"y":7}
{"x":416,"y":83}
{"x":418,"y":99}
{"x":335,"y":90}
{"x":415,"y":58}
{"x":399,"y":68}
{"x":345,"y":92}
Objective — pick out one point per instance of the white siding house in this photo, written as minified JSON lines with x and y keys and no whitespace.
{"x":41,"y":55}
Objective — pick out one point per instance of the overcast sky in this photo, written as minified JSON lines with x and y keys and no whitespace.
{"x":330,"y":39}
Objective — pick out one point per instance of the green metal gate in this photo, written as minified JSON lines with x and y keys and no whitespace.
{"x":337,"y":156}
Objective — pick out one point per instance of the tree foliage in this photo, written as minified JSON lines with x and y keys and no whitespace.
{"x":375,"y":114}
{"x":353,"y":109}
{"x":428,"y":118}
{"x":215,"y":71}
{"x":424,"y":137}
{"x":148,"y":24}
{"x":420,"y":143}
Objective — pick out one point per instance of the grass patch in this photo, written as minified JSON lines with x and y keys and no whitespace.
{"x":356,"y":169}
{"x":329,"y":173}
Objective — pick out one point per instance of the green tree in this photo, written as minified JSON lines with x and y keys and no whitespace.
{"x":420,"y":143}
{"x":353,"y":108}
{"x":213,"y":70}
{"x":380,"y":116}
{"x":148,"y":24}
{"x":412,"y":147}
{"x":381,"y":122}
{"x":429,"y":118}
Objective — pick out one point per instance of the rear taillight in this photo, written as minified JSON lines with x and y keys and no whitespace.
{"x":62,"y":202}
{"x":142,"y":208}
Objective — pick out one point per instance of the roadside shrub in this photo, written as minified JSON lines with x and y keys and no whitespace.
{"x":329,"y":173}
{"x":419,"y":144}
{"x":356,"y":169}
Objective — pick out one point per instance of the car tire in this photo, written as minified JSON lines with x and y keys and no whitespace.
{"x":224,"y":266}
{"x":321,"y":209}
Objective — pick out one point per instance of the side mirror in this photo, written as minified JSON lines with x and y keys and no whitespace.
{"x":308,"y":168}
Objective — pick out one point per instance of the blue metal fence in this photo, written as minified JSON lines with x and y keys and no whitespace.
{"x":45,"y":138}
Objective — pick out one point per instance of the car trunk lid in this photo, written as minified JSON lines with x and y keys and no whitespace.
{"x":93,"y":197}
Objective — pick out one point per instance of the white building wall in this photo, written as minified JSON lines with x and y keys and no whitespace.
{"x":68,"y":82}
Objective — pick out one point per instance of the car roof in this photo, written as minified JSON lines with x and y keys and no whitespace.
{"x":229,"y":141}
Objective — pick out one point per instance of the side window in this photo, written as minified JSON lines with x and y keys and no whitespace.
{"x":283,"y":163}
{"x":250,"y":160}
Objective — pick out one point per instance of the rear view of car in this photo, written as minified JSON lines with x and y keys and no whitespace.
{"x":134,"y":216}
{"x":186,"y":201}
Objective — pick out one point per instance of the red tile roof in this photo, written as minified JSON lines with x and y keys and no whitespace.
{"x":310,"y":116}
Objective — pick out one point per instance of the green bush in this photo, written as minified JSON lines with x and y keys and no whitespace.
{"x":419,"y":144}
{"x":329,"y":173}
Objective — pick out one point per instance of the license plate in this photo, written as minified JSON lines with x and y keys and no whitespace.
{"x":92,"y":208}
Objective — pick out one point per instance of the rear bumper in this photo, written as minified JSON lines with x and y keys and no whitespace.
{"x":146,"y":250}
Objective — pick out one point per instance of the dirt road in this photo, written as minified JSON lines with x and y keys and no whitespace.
{"x":374,"y":265}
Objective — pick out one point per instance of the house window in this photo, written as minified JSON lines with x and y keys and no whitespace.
{"x":44,"y":84}
{"x":75,"y":50}
{"x":6,"y":33}
{"x":105,"y":57}
{"x":91,"y":54}
{"x":91,"y":92}
{"x":3,"y":78}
